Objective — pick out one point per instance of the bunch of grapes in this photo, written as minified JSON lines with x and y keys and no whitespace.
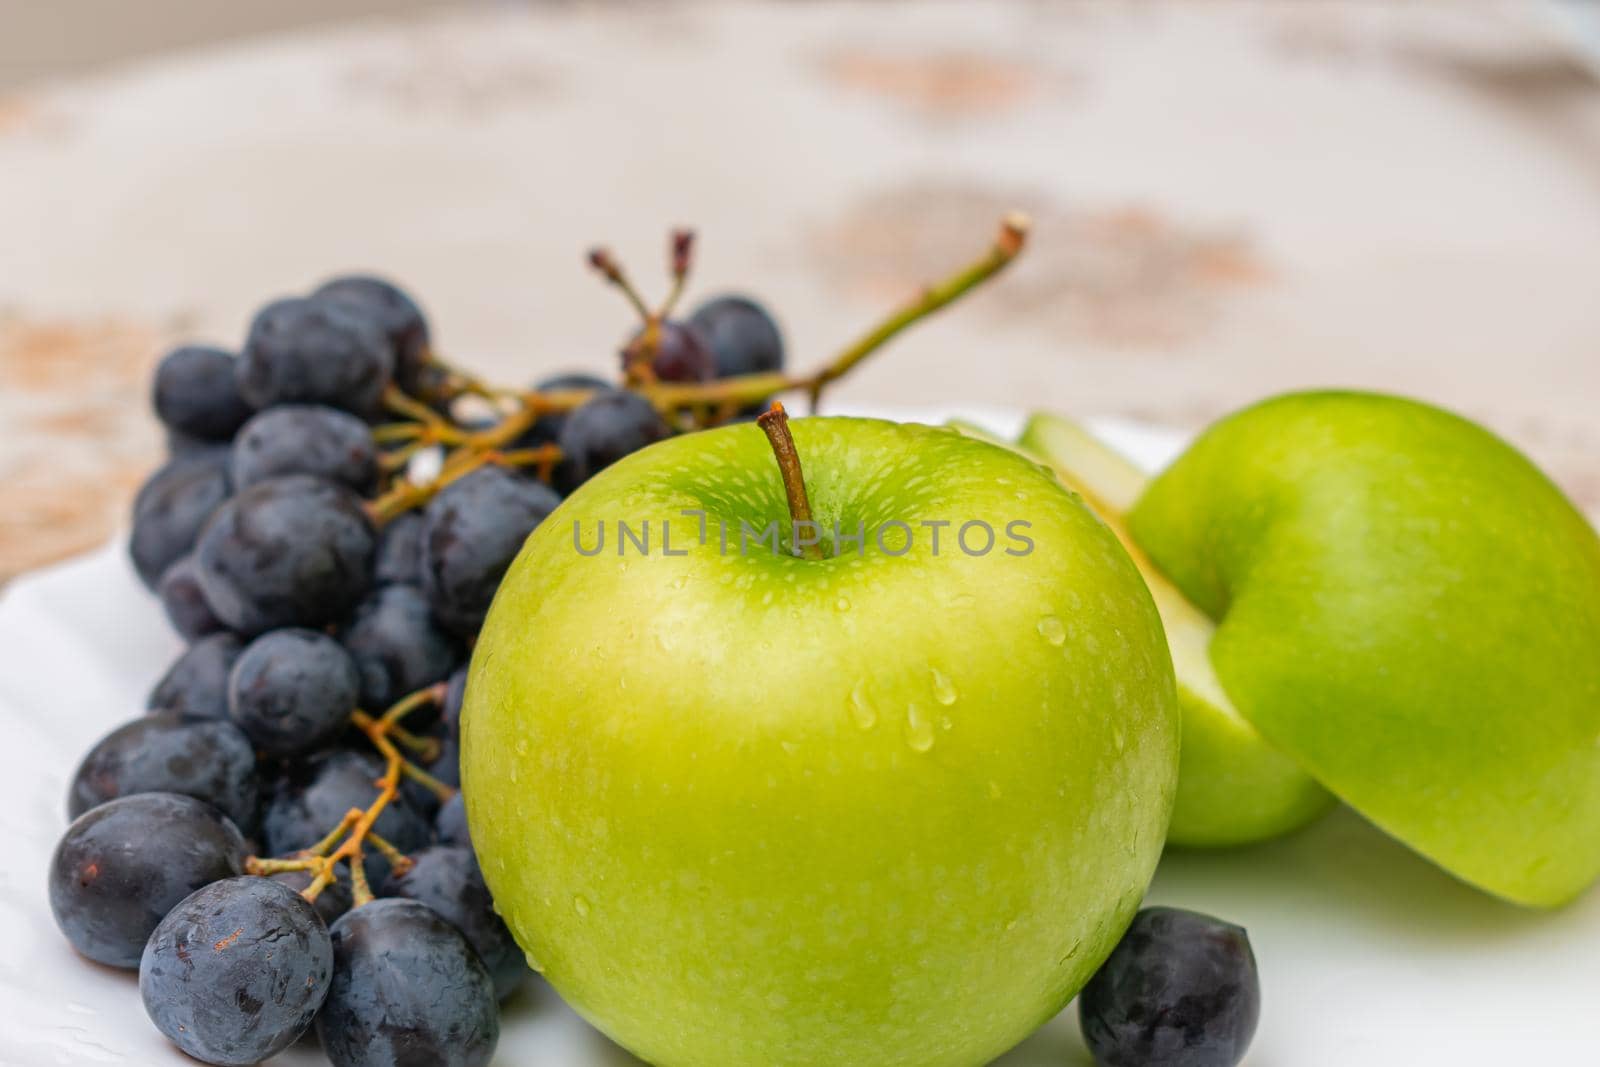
{"x":279,"y":843}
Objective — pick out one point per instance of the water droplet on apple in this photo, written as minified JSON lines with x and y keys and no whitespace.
{"x":842,"y":604}
{"x":1051,"y":630}
{"x":1119,"y":737}
{"x":994,"y":790}
{"x":538,"y":968}
{"x":581,"y":906}
{"x":789,"y":747}
{"x":861,"y":709}
{"x":522,"y":746}
{"x":919,"y":731}
{"x":680,"y":581}
{"x":943,"y":691}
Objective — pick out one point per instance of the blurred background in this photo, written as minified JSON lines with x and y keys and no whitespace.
{"x":1230,"y":199}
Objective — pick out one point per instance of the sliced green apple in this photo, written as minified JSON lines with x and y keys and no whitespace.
{"x":1411,"y":610}
{"x":1234,"y":787}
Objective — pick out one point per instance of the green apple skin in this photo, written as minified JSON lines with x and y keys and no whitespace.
{"x":1234,"y":788}
{"x":1411,"y":610}
{"x":863,"y":810}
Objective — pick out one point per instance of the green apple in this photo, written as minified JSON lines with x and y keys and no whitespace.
{"x":1411,"y":610}
{"x":1233,"y":786}
{"x":881,"y":807}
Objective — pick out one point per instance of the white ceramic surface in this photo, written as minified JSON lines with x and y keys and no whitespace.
{"x":1368,"y":955}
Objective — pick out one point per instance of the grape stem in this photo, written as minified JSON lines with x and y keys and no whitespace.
{"x":408,"y":496}
{"x":347,"y":842}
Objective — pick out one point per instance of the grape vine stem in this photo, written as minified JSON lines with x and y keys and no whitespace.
{"x":348,"y":841}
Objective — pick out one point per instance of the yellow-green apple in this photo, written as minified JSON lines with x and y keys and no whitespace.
{"x":1410,"y":610}
{"x":1233,"y":786}
{"x":886,"y":806}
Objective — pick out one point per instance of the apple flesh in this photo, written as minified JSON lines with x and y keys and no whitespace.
{"x":874,"y":808}
{"x":1410,"y":610}
{"x":1234,"y":787}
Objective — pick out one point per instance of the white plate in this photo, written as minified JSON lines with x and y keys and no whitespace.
{"x":1368,"y":955}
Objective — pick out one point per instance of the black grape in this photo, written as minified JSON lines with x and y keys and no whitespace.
{"x":398,"y":648}
{"x":454,"y":695}
{"x":681,"y":353}
{"x":472,"y":531}
{"x":448,"y":880}
{"x":122,"y":866}
{"x":196,"y":685}
{"x":208,"y":759}
{"x":170,"y":511}
{"x":305,"y":439}
{"x":450,"y":825}
{"x":290,"y":551}
{"x":407,"y":990}
{"x":292,"y":691}
{"x":547,"y":430}
{"x":185,"y":602}
{"x":236,"y":972}
{"x":742,"y":336}
{"x":311,"y":351}
{"x":315,"y":794}
{"x":1179,"y":990}
{"x":393,"y":312}
{"x":400,"y":550}
{"x":196,"y":393}
{"x":603,"y":430}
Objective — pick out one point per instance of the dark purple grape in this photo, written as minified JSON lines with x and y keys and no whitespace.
{"x":448,"y":880}
{"x":447,"y":767}
{"x":182,"y":446}
{"x":547,"y":430}
{"x":399,"y":648}
{"x":1180,"y":990}
{"x":196,"y":393}
{"x":602,"y":431}
{"x":450,"y":707}
{"x":236,"y":972}
{"x":305,"y":439}
{"x":314,"y":794}
{"x":208,"y":759}
{"x":310,"y":351}
{"x":681,"y":353}
{"x":292,"y":691}
{"x":332,"y":902}
{"x":742,"y":337}
{"x":290,"y":551}
{"x":407,"y":990}
{"x":122,"y":866}
{"x":170,"y":511}
{"x":196,"y":685}
{"x":393,"y":312}
{"x":450,"y":825}
{"x":400,"y":550}
{"x":472,"y":531}
{"x":185,"y":602}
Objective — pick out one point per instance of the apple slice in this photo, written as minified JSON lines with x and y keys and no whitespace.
{"x":1233,"y":787}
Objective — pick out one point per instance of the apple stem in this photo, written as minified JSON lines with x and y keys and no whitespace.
{"x":775,"y":423}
